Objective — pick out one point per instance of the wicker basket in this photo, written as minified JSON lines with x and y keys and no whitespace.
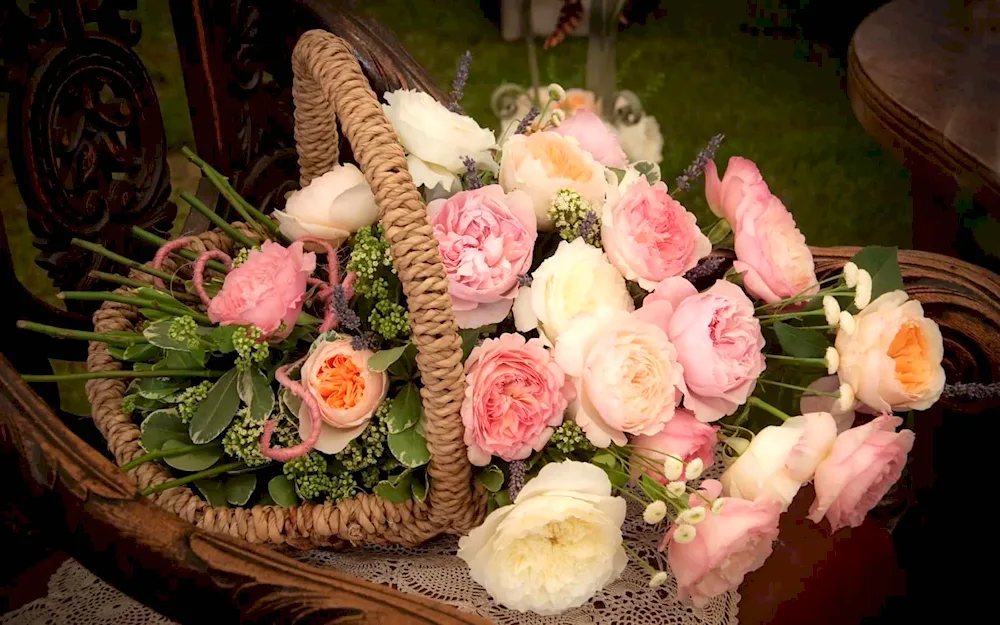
{"x":329,"y":86}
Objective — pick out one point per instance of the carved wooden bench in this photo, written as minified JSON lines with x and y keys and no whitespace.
{"x":79,"y":177}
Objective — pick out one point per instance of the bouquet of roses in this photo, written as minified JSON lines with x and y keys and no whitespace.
{"x":608,"y":354}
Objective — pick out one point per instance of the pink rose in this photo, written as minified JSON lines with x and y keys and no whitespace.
{"x":515,"y":396}
{"x":724,"y":196}
{"x":270,"y":287}
{"x":595,"y":137}
{"x":625,"y":369}
{"x":719,"y":344}
{"x":683,"y":436}
{"x":772,"y":255}
{"x":649,"y":236}
{"x":864,"y":463}
{"x":734,"y":538}
{"x":486,"y":239}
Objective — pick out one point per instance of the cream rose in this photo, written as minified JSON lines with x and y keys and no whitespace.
{"x":558,"y":545}
{"x":544,"y":163}
{"x":330,"y":207}
{"x":436,"y":140}
{"x":576,"y":279}
{"x":893,"y":358}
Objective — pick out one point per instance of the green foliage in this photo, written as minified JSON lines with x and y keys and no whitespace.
{"x":255,"y":391}
{"x":251,"y":351}
{"x":216,"y":411}
{"x":311,"y":463}
{"x":162,"y":426}
{"x":569,"y":211}
{"x":190,"y":398}
{"x":282,"y":491}
{"x":158,"y":333}
{"x":185,"y":330}
{"x":364,"y":452}
{"x":242,"y":438}
{"x":470,"y":338}
{"x":883,"y":265}
{"x":405,"y":410}
{"x":214,"y":492}
{"x":241,"y":257}
{"x":342,"y":486}
{"x":312,"y":485}
{"x":389,"y":319}
{"x":800,"y":342}
{"x":196,"y":460}
{"x":491,"y":477}
{"x":397,"y":488}
{"x":380,"y":361}
{"x":569,"y":438}
{"x":369,"y":256}
{"x":369,"y":477}
{"x":239,"y":488}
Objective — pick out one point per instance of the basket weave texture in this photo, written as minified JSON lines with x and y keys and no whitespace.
{"x":330,"y":87}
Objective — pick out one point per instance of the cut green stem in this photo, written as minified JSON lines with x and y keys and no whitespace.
{"x":118,"y":258}
{"x":803,"y":389}
{"x":165,"y":453}
{"x":115,"y":278}
{"x":219,"y":222}
{"x":163,"y":304}
{"x":801,"y":298}
{"x":114,"y":338}
{"x":187,"y":479}
{"x":818,"y":362}
{"x":783,"y":316}
{"x":763,"y":405}
{"x":247,"y":210}
{"x":101,"y":375}
{"x":639,"y":559}
{"x":158,"y":241}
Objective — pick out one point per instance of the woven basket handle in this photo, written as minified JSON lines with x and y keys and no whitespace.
{"x":328,"y":86}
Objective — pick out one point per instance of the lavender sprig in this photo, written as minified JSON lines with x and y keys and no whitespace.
{"x":458,"y":85}
{"x":707,"y":267}
{"x":516,"y":480}
{"x":525,"y":279}
{"x":472,"y":179}
{"x":522,"y":126}
{"x":587,"y":224}
{"x":971,"y":390}
{"x":363,"y":342}
{"x":347,"y":317}
{"x":697,"y":168}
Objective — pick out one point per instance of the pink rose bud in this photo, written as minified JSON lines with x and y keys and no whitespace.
{"x":594,"y":136}
{"x":724,"y":196}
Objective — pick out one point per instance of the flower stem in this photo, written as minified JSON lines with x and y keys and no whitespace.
{"x":219,"y":222}
{"x":187,"y":479}
{"x":818,"y":362}
{"x":245,"y":209}
{"x":164,"y":453}
{"x":115,"y":278}
{"x":116,"y":338}
{"x":639,"y":559}
{"x":118,"y":258}
{"x":763,"y":405}
{"x":795,"y":387}
{"x":780,"y":317}
{"x":798,"y":298}
{"x":101,"y":375}
{"x":139,"y":302}
{"x":147,"y":236}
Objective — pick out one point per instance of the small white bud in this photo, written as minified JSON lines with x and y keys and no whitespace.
{"x":692,"y":516}
{"x":685,"y":533}
{"x":847,"y":323}
{"x":863,"y":294}
{"x":672,"y":468}
{"x":694,"y":468}
{"x":654,"y":512}
{"x":676,"y":489}
{"x":832,"y":360}
{"x":557,"y":117}
{"x":556,"y":92}
{"x":717,"y":505}
{"x":831,"y":308}
{"x":846,"y":400}
{"x":737,"y":444}
{"x":658,"y":579}
{"x":851,"y":274}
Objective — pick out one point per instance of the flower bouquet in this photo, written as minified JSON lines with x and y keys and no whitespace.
{"x":611,"y":347}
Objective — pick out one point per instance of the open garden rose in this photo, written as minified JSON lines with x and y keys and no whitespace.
{"x":515,"y":394}
{"x":576,"y":279}
{"x":436,"y":140}
{"x":893,"y":359}
{"x":781,"y":459}
{"x":594,"y":136}
{"x":330,"y":207}
{"x":649,"y":236}
{"x":556,"y":546}
{"x":625,"y":371}
{"x":347,"y":391}
{"x":864,"y":463}
{"x":266,"y":290}
{"x":725,"y":196}
{"x":543,"y":163}
{"x":719,"y":344}
{"x":683,"y":436}
{"x":771,"y":253}
{"x":486,"y":239}
{"x":735,"y":537}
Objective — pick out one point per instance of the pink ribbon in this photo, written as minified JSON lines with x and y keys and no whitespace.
{"x":284,"y":455}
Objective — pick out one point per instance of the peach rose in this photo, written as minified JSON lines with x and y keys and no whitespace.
{"x":542,"y":164}
{"x":724,"y":196}
{"x":579,"y":100}
{"x":649,"y":236}
{"x":348,"y":393}
{"x":893,"y":359}
{"x":864,"y":463}
{"x":683,"y":436}
{"x":594,"y":136}
{"x":781,"y":459}
{"x":266,"y":290}
{"x":771,"y":253}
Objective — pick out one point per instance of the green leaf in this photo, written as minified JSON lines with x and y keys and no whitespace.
{"x":555,"y":454}
{"x":118,"y":353}
{"x":213,"y":491}
{"x":800,"y":342}
{"x":406,"y":367}
{"x":239,"y":488}
{"x":409,"y":447}
{"x":648,"y":169}
{"x":502,"y":498}
{"x":396,"y":489}
{"x":282,"y":492}
{"x":305,"y":319}
{"x":651,"y":488}
{"x":141,"y":351}
{"x":605,"y":458}
{"x":256,"y":393}
{"x":265,"y":500}
{"x":159,"y":296}
{"x":145,"y":405}
{"x":883,"y":264}
{"x":162,"y":426}
{"x":142,"y":366}
{"x":380,"y":361}
{"x":222,"y":338}
{"x":470,"y":336}
{"x":217,"y":410}
{"x":182,"y":360}
{"x":406,"y":409}
{"x":155,"y":314}
{"x":616,"y":476}
{"x":157,"y":334}
{"x":420,"y":485}
{"x":158,"y":388}
{"x":491,"y":477}
{"x":197,"y":460}
{"x":619,"y":173}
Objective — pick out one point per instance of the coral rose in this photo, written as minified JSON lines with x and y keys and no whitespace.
{"x":486,"y":239}
{"x":266,"y":290}
{"x":893,"y":359}
{"x":683,"y":436}
{"x":595,"y":137}
{"x":864,"y":463}
{"x":330,"y":207}
{"x":724,"y":196}
{"x":649,"y":236}
{"x":515,"y":395}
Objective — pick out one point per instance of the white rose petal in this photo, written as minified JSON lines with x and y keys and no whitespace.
{"x":330,"y":207}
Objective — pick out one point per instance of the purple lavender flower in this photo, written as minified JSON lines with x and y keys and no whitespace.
{"x":524,"y":279}
{"x":704,"y":269}
{"x":347,"y":317}
{"x":697,"y":168}
{"x":516,"y":480}
{"x":522,"y":126}
{"x":587,"y":224}
{"x":472,"y":179}
{"x":971,"y":390}
{"x":458,"y":85}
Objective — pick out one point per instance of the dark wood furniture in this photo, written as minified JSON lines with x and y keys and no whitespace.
{"x":82,"y":183}
{"x":924,"y":80}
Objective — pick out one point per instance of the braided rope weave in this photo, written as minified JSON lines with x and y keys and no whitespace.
{"x":329,"y":85}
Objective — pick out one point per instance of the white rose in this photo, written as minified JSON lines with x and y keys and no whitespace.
{"x":893,"y":357}
{"x":436,"y":140}
{"x":543,"y":163}
{"x":781,"y":459}
{"x":558,"y":545}
{"x":331,"y":207}
{"x":576,"y":279}
{"x":641,"y":141}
